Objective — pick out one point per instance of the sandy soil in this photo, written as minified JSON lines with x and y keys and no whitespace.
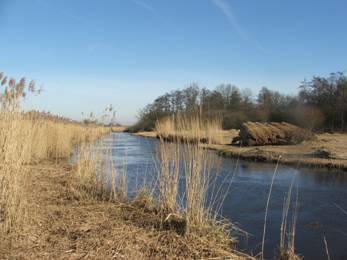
{"x":60,"y":225}
{"x":327,"y":150}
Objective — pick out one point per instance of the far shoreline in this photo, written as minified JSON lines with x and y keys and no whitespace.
{"x":309,"y":154}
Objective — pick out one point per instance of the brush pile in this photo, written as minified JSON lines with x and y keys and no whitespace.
{"x":254,"y":133}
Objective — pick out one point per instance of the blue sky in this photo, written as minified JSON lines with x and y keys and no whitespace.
{"x":88,"y":53}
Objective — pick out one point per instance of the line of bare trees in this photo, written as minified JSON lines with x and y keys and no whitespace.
{"x":321,"y":105}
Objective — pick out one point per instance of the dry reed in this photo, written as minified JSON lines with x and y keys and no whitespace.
{"x":267,"y":208}
{"x":169,"y":173}
{"x":190,"y":128}
{"x":288,"y":229}
{"x":27,"y":138}
{"x":184,"y":157}
{"x":97,"y":176}
{"x":326,"y":248}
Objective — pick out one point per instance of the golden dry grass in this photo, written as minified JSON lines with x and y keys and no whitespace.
{"x":27,"y":141}
{"x":189,"y":128}
{"x":169,"y":173}
{"x":51,"y":210}
{"x":27,"y":138}
{"x":185,"y":157}
{"x":186,"y":134}
{"x":62,"y":225}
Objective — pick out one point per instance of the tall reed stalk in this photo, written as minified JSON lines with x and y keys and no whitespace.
{"x":184,"y":157}
{"x":27,"y":138}
{"x":267,"y":208}
{"x":288,"y":228}
{"x":169,"y":158}
{"x":97,"y":176}
{"x":197,"y":167}
{"x":190,"y":128}
{"x":13,"y":145}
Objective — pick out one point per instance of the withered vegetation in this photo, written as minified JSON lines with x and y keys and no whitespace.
{"x":50,"y":208}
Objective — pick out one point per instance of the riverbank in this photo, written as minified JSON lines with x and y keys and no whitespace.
{"x":326,"y":151}
{"x":60,"y":224}
{"x":118,"y":128}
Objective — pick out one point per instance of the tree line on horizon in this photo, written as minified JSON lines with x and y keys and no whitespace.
{"x":320,"y":105}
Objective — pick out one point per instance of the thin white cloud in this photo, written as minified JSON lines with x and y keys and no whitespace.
{"x":144,"y":5}
{"x":60,"y":11}
{"x":229,"y":14}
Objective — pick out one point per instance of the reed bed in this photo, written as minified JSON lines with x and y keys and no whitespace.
{"x":187,"y":186}
{"x":190,"y":128}
{"x":288,"y":226}
{"x":169,"y":175}
{"x":27,"y":138}
{"x":96,"y":175}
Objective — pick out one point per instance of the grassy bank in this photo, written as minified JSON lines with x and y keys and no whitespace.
{"x":29,"y":140}
{"x":63,"y":224}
